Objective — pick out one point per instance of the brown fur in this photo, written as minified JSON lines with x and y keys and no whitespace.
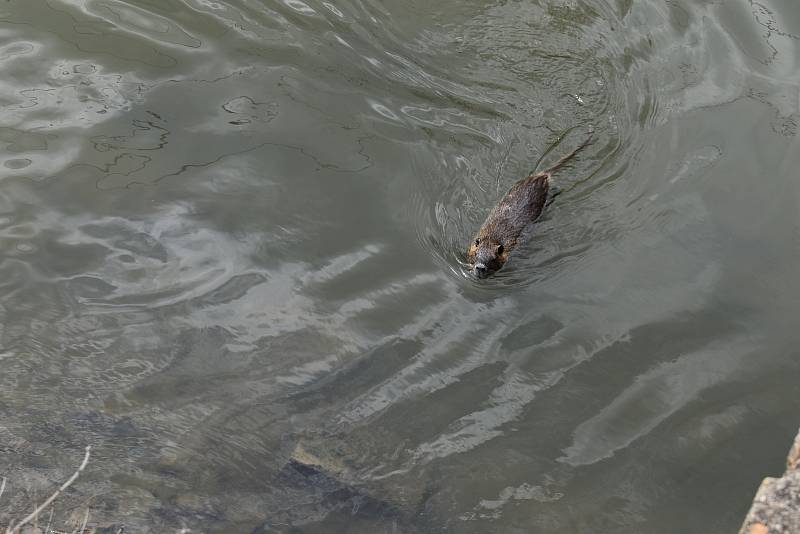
{"x":521,"y":206}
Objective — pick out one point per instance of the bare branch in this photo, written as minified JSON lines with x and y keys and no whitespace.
{"x":49,"y":522}
{"x":83,"y":526}
{"x":45,"y":504}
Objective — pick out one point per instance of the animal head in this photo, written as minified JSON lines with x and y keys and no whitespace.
{"x":487,"y":254}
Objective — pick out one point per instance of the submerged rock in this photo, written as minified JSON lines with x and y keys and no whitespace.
{"x":776,"y":506}
{"x":330,"y":490}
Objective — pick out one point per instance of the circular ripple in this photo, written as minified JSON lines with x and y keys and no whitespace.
{"x":17,"y":163}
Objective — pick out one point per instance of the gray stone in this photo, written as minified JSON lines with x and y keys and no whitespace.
{"x":776,"y":506}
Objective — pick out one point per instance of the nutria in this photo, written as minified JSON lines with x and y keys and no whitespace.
{"x":520,"y":207}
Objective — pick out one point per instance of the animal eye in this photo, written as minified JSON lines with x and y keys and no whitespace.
{"x":500,"y":249}
{"x":477,"y":242}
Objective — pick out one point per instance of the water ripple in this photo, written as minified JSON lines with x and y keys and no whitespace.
{"x":232,"y":231}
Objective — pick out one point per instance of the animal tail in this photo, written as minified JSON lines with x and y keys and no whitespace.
{"x":560,"y":163}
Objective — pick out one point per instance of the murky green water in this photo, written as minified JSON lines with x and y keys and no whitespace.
{"x":230,"y":228}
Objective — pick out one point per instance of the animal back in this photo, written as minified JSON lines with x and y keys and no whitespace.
{"x":522,"y":205}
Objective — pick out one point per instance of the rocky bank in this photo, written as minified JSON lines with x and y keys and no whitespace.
{"x":776,"y":506}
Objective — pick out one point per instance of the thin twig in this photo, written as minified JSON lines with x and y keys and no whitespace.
{"x":85,"y":520}
{"x":3,"y":486}
{"x":52,"y":497}
{"x":36,"y":517}
{"x":49,"y":522}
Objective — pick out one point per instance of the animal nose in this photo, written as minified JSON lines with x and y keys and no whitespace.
{"x":480,"y":269}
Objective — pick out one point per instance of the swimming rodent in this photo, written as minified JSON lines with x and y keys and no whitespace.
{"x":520,"y":207}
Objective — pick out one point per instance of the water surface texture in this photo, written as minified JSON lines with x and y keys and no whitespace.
{"x":233,"y":230}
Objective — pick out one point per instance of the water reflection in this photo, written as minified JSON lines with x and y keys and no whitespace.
{"x":232,"y":243}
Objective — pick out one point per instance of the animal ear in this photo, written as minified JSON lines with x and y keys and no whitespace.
{"x":499,"y":249}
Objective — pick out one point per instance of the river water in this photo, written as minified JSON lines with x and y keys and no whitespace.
{"x":232,"y":235}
